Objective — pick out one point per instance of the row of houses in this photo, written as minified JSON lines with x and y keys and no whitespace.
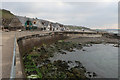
{"x":26,"y":23}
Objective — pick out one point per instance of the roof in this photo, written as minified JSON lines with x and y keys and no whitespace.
{"x":15,"y":22}
{"x":39,"y":24}
{"x":22,"y":19}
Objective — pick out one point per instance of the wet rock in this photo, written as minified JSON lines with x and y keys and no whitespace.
{"x":59,"y":49}
{"x":69,"y":61}
{"x":83,"y":50}
{"x":38,"y":49}
{"x":51,"y":46}
{"x":43,"y":49}
{"x":71,"y":49}
{"x":51,"y":55}
{"x":88,"y":72}
{"x":70,"y":75}
{"x":77,"y":62}
{"x":82,"y":67}
{"x":90,"y":75}
{"x":94,"y":74}
{"x":58,"y":68}
{"x":79,"y":44}
{"x":47,"y":61}
{"x":64,"y":53}
{"x":74,"y":70}
{"x":116,"y":45}
{"x":62,"y":65}
{"x":79,"y":47}
{"x":64,"y":62}
{"x":90,"y":44}
{"x":77,"y":67}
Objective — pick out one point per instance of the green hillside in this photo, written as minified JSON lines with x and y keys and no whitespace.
{"x":6,"y":14}
{"x":6,"y":17}
{"x":77,"y":27}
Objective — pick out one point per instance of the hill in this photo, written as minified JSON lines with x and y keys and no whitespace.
{"x":77,"y":27}
{"x":6,"y":17}
{"x":6,"y":14}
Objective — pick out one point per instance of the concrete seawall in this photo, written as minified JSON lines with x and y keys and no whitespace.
{"x":80,"y":34}
{"x":28,"y":42}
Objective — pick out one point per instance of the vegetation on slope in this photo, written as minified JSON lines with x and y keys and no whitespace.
{"x":77,"y":27}
{"x":6,"y":17}
{"x":6,"y":14}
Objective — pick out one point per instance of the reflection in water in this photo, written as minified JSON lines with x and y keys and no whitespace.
{"x":99,"y":58}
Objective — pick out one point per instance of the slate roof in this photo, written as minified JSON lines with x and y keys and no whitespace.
{"x":15,"y":22}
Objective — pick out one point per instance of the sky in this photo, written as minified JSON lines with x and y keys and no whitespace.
{"x":95,"y":15}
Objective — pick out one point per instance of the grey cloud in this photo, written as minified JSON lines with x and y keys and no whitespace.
{"x":90,"y":14}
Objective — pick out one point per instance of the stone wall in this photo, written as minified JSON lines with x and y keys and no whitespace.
{"x":26,"y":43}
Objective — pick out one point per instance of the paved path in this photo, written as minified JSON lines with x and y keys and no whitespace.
{"x":7,"y":53}
{"x":6,"y":48}
{"x":7,"y":45}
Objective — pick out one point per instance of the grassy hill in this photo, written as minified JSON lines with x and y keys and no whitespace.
{"x":6,"y":14}
{"x":6,"y":17}
{"x":77,"y":27}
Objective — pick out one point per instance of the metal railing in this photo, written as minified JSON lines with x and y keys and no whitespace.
{"x":13,"y":67}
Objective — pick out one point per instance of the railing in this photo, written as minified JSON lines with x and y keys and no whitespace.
{"x":13,"y":67}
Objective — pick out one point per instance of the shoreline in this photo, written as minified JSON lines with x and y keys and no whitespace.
{"x":96,"y":40}
{"x":39,"y":56}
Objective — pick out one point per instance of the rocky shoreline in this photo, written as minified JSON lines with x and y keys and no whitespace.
{"x":37,"y":62}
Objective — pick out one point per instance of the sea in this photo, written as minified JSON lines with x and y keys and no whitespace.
{"x":116,"y":31}
{"x":99,"y":58}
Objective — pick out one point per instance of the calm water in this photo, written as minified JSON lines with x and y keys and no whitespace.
{"x":112,"y":30}
{"x":99,"y":58}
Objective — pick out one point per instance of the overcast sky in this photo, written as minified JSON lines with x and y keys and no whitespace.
{"x":88,"y":14}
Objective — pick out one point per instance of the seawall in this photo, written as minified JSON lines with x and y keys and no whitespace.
{"x":27,"y":42}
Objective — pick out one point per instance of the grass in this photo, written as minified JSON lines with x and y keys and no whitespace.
{"x":6,"y":14}
{"x":77,"y":27}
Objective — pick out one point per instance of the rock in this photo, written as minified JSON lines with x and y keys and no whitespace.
{"x":74,"y":70}
{"x":88,"y":72}
{"x":77,"y":67}
{"x":94,"y":74}
{"x":116,"y":45}
{"x":38,"y":49}
{"x":83,"y":50}
{"x":70,"y":75}
{"x":60,"y":51}
{"x":47,"y":61}
{"x":63,"y":61}
{"x":77,"y":62}
{"x":69,"y":61}
{"x":64,"y":53}
{"x":90,"y":44}
{"x":90,"y":75}
{"x":71,"y":49}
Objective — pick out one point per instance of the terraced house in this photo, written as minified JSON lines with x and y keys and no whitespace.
{"x":14,"y":22}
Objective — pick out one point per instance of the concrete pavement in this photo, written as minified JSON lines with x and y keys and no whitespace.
{"x":7,"y":45}
{"x":6,"y":48}
{"x":7,"y":53}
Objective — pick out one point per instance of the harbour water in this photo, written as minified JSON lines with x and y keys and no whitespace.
{"x":116,"y":31}
{"x":99,"y":58}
